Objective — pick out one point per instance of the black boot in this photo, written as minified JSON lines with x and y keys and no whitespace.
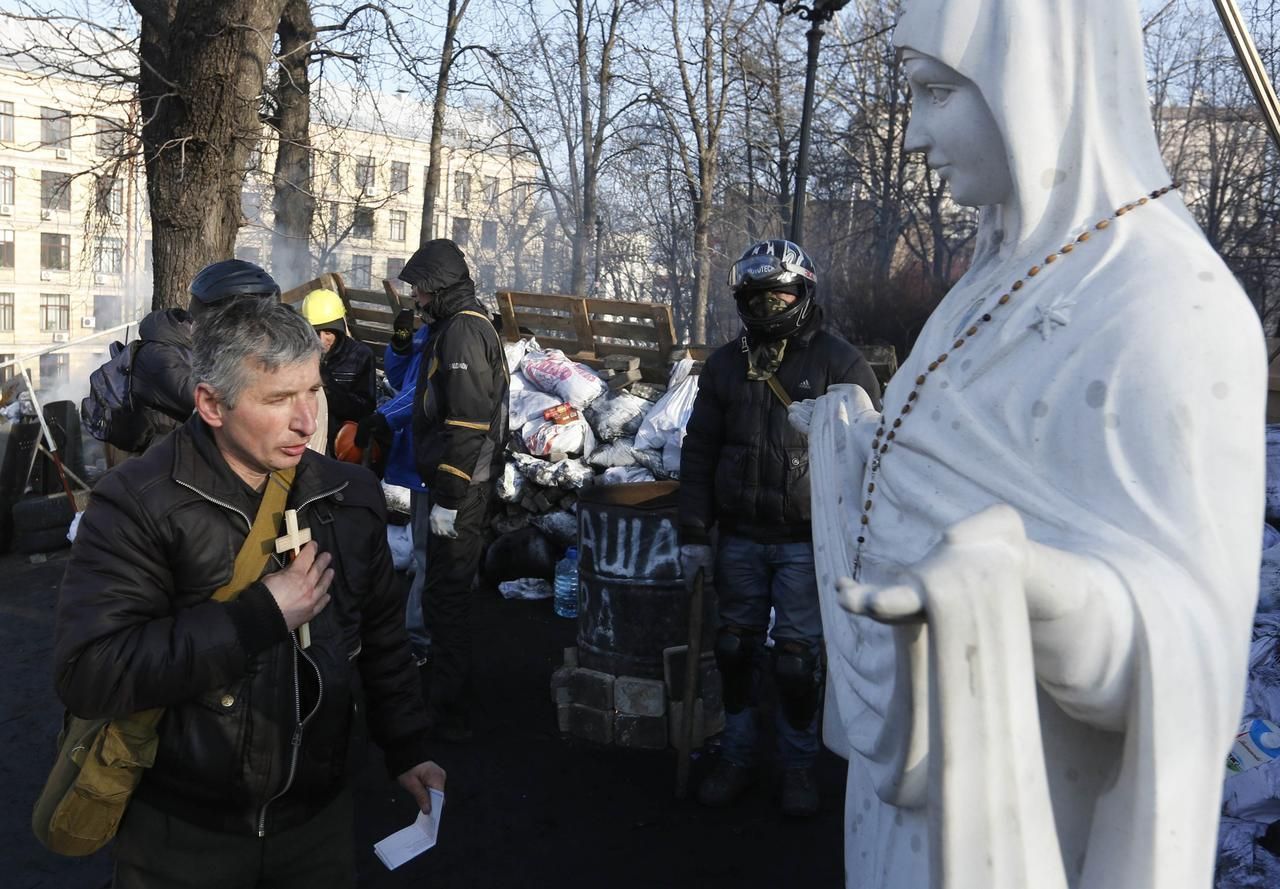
{"x":725,"y":785}
{"x":799,"y":793}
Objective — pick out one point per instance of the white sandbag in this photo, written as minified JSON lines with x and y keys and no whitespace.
{"x":621,"y":452}
{"x":526,"y":588}
{"x":626,"y":475}
{"x":556,"y":441}
{"x":617,"y":415}
{"x":400,"y":539}
{"x":574,"y":475}
{"x":537,"y":470}
{"x":551,"y":371}
{"x":516,"y":352}
{"x":671,"y":456}
{"x":74,"y":527}
{"x":669,"y":416}
{"x":526,"y":405}
{"x":518,"y":382}
{"x":510,"y":483}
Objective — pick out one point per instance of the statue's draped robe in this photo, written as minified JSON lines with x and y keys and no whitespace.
{"x":1117,"y":404}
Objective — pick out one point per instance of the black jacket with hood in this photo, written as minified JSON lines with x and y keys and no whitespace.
{"x":256,"y":731}
{"x":350,"y":379}
{"x":460,"y":418}
{"x":161,"y":385}
{"x":742,"y":465}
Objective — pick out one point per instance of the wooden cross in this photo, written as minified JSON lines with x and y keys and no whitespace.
{"x":294,"y":539}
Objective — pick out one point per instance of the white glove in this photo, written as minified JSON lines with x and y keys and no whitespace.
{"x":800,"y":415}
{"x":442,"y":521}
{"x":695,"y":557}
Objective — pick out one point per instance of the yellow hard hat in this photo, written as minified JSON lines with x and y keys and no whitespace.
{"x":322,"y":308}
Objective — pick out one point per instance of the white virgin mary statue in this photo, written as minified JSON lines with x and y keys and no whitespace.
{"x":1039,"y":567}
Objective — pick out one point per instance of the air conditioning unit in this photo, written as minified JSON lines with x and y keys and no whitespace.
{"x":99,"y":278}
{"x":89,"y":321}
{"x":6,"y":209}
{"x":46,"y":276}
{"x":62,"y":337}
{"x":46,"y":214}
{"x":63,"y":154}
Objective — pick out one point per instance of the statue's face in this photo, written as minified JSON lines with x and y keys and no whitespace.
{"x":955,"y":130}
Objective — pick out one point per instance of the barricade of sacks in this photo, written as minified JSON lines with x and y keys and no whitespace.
{"x":573,"y":426}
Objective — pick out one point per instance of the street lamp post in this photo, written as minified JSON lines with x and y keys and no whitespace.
{"x":819,"y":12}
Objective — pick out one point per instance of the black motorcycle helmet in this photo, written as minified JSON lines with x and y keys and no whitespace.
{"x":775,"y":265}
{"x":219,"y":282}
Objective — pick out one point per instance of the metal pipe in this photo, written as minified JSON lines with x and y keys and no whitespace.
{"x":1254,"y":71}
{"x":806,"y":125}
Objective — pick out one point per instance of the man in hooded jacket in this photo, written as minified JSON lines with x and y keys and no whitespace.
{"x":459,"y":429}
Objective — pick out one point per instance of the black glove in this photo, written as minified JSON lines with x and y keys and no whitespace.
{"x":402,"y":332}
{"x":374,"y":426}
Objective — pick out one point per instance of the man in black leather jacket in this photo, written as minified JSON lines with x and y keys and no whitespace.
{"x":744,"y":471}
{"x":249,"y":784}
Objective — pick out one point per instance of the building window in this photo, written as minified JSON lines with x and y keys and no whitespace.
{"x":6,"y":248}
{"x":520,"y":195}
{"x":362,"y":223}
{"x":395,"y":265}
{"x":54,"y":368}
{"x":461,"y":230}
{"x":6,"y":121}
{"x":55,"y":190}
{"x":108,"y":256}
{"x":335,"y":168}
{"x":364,"y":173}
{"x":55,"y":128}
{"x":462,"y":187}
{"x":55,"y":252}
{"x":399,"y":176}
{"x":330,"y":262}
{"x":488,"y":274}
{"x":7,"y":182}
{"x":250,"y":254}
{"x":333,"y":219}
{"x":491,"y":190}
{"x":55,"y":313}
{"x":361,"y":271}
{"x":110,"y":138}
{"x":106,"y":311}
{"x":110,"y":195}
{"x":489,"y":235}
{"x":399,"y":222}
{"x":6,"y":311}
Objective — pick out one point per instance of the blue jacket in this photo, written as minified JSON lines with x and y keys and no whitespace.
{"x":402,"y":374}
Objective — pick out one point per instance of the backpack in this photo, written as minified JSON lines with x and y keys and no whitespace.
{"x":108,"y":411}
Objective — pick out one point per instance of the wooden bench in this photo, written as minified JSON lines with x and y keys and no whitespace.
{"x":587,"y":330}
{"x":371,"y":314}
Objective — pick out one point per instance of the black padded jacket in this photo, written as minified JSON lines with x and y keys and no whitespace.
{"x":742,"y":465}
{"x":256,"y":732}
{"x":350,"y":382}
{"x":460,"y":417}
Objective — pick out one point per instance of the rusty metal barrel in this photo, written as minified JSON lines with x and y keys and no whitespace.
{"x":632,"y":600}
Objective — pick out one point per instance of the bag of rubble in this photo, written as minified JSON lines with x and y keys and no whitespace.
{"x":623,"y":452}
{"x":568,"y":473}
{"x":626,"y":475}
{"x":518,"y":382}
{"x":617,"y":415}
{"x":670,"y":415}
{"x":511,"y":483}
{"x":528,"y":405}
{"x":561,"y":526}
{"x":526,"y":588}
{"x":553,"y":372}
{"x":557,"y":441}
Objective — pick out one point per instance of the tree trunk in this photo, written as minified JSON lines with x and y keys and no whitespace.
{"x":293,"y":203}
{"x":431,"y":187}
{"x":201,"y":77}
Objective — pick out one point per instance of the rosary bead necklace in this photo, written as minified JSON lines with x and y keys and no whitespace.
{"x":886,"y":433}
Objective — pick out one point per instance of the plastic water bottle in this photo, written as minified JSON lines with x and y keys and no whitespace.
{"x":566,"y":600}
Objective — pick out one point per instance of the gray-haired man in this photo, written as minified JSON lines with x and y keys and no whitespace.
{"x":249,"y":785}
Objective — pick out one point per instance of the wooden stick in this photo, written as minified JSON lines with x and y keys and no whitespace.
{"x":693,"y":654}
{"x":1254,"y":71}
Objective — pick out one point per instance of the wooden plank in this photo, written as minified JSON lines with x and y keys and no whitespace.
{"x":328,"y":281}
{"x":647,"y":356}
{"x":510,"y":329}
{"x":622,"y":331}
{"x":559,"y":323}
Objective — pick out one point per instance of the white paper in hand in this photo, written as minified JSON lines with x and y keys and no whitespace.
{"x":413,"y":840}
